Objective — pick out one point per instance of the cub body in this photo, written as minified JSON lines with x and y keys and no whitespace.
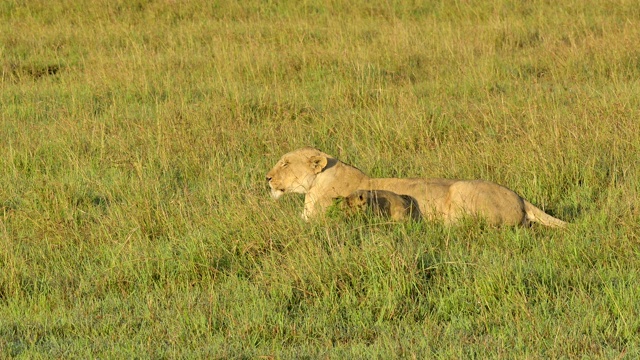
{"x":384,"y":203}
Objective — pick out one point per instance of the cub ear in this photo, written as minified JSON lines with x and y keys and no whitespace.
{"x":317,"y":163}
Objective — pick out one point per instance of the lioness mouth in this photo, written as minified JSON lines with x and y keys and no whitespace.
{"x":277,"y":193}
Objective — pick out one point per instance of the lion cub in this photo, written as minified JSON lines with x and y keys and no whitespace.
{"x":383,"y":203}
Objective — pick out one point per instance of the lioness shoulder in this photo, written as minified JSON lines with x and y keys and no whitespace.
{"x":383,"y":203}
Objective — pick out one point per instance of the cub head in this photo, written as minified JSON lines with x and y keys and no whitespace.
{"x":296,"y":171}
{"x":357,"y":201}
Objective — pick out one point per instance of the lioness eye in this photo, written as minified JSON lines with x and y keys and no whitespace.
{"x":284,"y":164}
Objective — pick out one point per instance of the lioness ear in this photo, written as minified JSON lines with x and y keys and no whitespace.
{"x":317,"y":163}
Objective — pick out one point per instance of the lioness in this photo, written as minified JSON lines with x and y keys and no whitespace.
{"x":322,"y":178}
{"x":383,"y":203}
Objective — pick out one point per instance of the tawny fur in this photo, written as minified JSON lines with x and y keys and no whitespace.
{"x":383,"y":203}
{"x":323,"y":178}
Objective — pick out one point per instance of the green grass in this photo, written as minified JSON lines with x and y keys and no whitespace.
{"x":135,"y":220}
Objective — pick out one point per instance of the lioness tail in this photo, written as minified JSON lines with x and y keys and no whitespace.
{"x":536,"y":215}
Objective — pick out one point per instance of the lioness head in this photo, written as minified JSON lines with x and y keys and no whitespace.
{"x":295,"y":171}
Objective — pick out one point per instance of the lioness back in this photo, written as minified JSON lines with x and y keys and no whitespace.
{"x":384,"y":203}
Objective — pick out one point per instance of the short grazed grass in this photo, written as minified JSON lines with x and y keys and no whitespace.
{"x":135,"y":220}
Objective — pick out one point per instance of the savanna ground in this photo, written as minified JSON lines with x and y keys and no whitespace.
{"x":135,"y":219}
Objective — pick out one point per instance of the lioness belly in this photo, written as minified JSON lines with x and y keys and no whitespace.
{"x":494,"y":203}
{"x":430,"y":194}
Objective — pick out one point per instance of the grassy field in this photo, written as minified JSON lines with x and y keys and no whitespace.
{"x":135,"y":220}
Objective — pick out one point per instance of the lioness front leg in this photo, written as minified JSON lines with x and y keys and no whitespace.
{"x":314,"y":206}
{"x":307,"y":212}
